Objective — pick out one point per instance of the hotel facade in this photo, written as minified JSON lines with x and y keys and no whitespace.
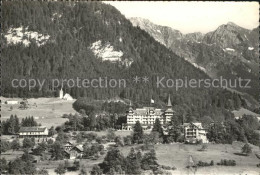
{"x":147,"y":116}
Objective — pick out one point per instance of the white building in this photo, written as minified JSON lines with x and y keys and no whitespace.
{"x":194,"y":132}
{"x":36,"y":131}
{"x":147,"y":116}
{"x":67,"y":97}
{"x":11,"y":102}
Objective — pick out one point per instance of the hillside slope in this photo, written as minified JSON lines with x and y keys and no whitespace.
{"x":89,"y":40}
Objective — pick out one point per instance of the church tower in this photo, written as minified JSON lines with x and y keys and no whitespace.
{"x":130,"y":111}
{"x":130,"y":116}
{"x":168,"y":114}
{"x":61,"y":93}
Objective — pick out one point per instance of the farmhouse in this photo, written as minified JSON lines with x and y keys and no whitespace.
{"x":147,"y":116}
{"x":194,"y":132}
{"x":11,"y":102}
{"x":37,"y":131}
{"x":73,"y":152}
{"x":68,"y":146}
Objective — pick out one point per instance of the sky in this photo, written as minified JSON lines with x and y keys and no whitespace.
{"x":191,"y":17}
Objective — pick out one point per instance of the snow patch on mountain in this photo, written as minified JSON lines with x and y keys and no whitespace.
{"x":200,"y":67}
{"x":246,"y":36}
{"x":107,"y":53}
{"x":229,"y":49}
{"x":23,"y":35}
{"x":251,"y":48}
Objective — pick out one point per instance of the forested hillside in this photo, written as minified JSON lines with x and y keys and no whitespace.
{"x":49,"y":40}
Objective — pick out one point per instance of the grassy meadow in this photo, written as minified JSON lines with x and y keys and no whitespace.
{"x":48,"y":111}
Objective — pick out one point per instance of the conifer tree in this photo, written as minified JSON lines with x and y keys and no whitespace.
{"x":157,"y":127}
{"x":133,"y":164}
{"x":138,"y":133}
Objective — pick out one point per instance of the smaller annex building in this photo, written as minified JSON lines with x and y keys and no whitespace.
{"x":194,"y":132}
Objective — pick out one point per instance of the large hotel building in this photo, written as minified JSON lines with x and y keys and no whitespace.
{"x":147,"y":115}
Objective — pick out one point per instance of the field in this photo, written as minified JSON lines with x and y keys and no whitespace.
{"x":48,"y":111}
{"x":121,"y":133}
{"x":239,"y":113}
{"x":177,"y":155}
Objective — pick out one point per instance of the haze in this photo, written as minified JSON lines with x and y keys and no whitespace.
{"x":191,"y":17}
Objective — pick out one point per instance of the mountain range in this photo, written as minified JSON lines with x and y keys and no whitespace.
{"x":66,"y":40}
{"x":229,"y":51}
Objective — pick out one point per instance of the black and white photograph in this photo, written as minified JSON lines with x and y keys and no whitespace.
{"x":130,"y":87}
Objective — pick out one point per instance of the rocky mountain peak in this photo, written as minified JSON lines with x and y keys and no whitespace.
{"x":163,"y":34}
{"x":228,"y":51}
{"x":196,"y":36}
{"x":232,"y":24}
{"x":228,"y":35}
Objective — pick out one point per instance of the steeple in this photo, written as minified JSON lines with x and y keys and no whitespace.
{"x":61,"y":93}
{"x":130,"y":106}
{"x":169,"y":102}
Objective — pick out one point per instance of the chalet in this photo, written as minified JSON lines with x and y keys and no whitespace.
{"x":74,"y":152}
{"x":37,"y":131}
{"x":68,"y":146}
{"x":78,"y":150}
{"x":194,"y":132}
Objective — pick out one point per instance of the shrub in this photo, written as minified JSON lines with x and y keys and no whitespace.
{"x":199,"y":142}
{"x":90,"y":136}
{"x":166,"y":167}
{"x":246,"y":149}
{"x":146,"y":147}
{"x":158,"y":171}
{"x":203,"y":147}
{"x":226,"y":162}
{"x":204,"y":164}
{"x":102,"y":152}
{"x":99,"y":140}
{"x":128,"y":140}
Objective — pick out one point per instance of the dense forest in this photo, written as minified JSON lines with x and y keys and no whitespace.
{"x":73,"y":28}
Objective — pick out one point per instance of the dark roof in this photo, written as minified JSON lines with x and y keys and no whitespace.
{"x":79,"y":147}
{"x":67,"y":152}
{"x":32,"y":129}
{"x":68,"y":143}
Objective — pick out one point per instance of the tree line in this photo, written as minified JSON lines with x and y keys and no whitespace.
{"x":13,"y":124}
